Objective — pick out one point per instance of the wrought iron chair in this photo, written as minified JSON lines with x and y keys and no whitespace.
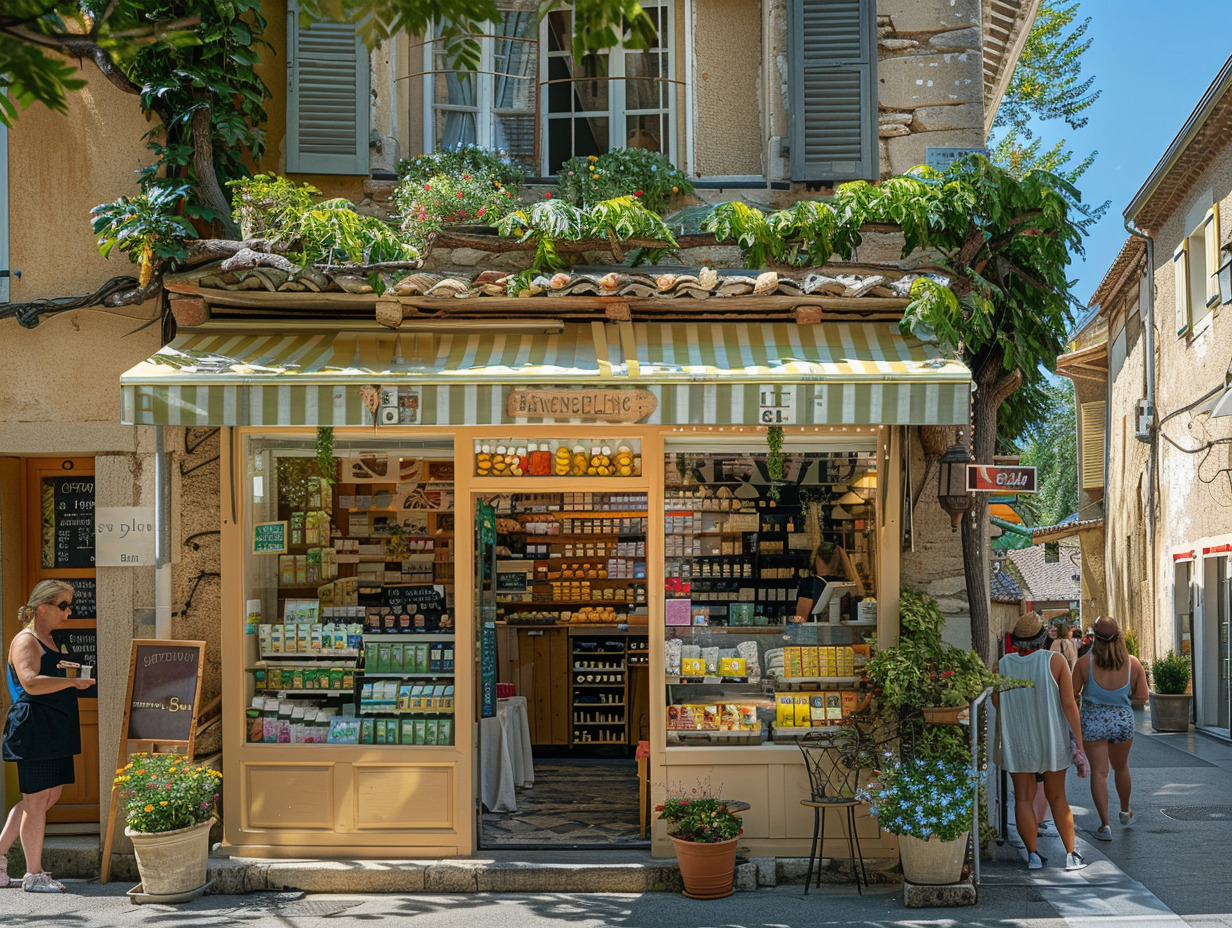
{"x":835,"y":759}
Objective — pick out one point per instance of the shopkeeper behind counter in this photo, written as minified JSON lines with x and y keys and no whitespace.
{"x":831,"y":565}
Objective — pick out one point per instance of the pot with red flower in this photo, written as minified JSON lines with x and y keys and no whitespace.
{"x":704,"y":830}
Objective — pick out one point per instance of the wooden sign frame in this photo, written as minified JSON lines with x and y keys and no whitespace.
{"x":127,"y":744}
{"x":256,"y":530}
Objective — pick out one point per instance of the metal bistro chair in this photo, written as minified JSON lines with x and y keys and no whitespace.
{"x":835,"y":759}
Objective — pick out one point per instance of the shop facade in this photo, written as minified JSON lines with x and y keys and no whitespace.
{"x":392,"y":571}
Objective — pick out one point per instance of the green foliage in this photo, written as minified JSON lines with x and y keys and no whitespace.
{"x":333,"y":233}
{"x":549,"y":221}
{"x":1170,"y":674}
{"x":747,"y":227}
{"x":446,"y":198}
{"x":1052,"y":448}
{"x":148,"y":227}
{"x":163,"y":792}
{"x":31,"y":74}
{"x":635,"y":172}
{"x":1131,"y":642}
{"x":465,"y":159}
{"x":699,"y":816}
{"x":326,"y":464}
{"x":271,"y":207}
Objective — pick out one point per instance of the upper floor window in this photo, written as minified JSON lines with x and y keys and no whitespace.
{"x":532,"y":100}
{"x":1195,"y":274}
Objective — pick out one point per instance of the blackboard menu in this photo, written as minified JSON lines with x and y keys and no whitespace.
{"x":425,"y":598}
{"x":164,"y":690}
{"x":85,"y":590}
{"x":69,"y":525}
{"x":81,"y":645}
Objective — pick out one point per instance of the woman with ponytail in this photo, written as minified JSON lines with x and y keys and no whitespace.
{"x":41,"y":732}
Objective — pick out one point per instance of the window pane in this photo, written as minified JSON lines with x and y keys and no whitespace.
{"x":560,"y":30}
{"x":456,"y":88}
{"x":648,"y":132}
{"x":454,"y":128}
{"x":581,"y":136}
{"x":515,"y":66}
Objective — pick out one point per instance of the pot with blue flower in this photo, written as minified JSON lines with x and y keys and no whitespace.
{"x":928,"y":804}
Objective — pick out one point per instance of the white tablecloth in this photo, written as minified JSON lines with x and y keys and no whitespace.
{"x":504,"y":752}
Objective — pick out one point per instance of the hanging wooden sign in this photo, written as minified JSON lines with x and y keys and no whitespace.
{"x":600,"y":405}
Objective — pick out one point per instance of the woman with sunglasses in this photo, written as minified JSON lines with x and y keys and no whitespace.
{"x":41,"y":733}
{"x":830,"y":565}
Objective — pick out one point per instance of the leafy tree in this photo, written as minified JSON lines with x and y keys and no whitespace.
{"x":1051,"y":447}
{"x":1047,"y":85}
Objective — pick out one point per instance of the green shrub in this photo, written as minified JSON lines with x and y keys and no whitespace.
{"x":465,"y":159}
{"x":633,"y":172}
{"x":445,"y":198}
{"x":333,"y":233}
{"x":271,"y":207}
{"x":1170,"y":674}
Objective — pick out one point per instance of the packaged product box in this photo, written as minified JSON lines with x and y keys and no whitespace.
{"x":448,"y":703}
{"x":397,"y":656}
{"x":263,"y":638}
{"x":732,"y":667}
{"x":436,"y":653}
{"x":301,"y":569}
{"x":297,"y":679}
{"x":312,"y":529}
{"x":692,"y":667}
{"x":365,"y":694}
{"x":748,"y":718}
{"x":421,"y":731}
{"x":444,"y":731}
{"x":678,"y":611}
{"x":297,"y":528}
{"x":416,"y":703}
{"x":793,"y":663}
{"x":729,"y":717}
{"x":710,"y":718}
{"x":404,"y":696}
{"x":384,"y":654}
{"x":258,"y":679}
{"x":341,"y":636}
{"x":277,"y":640}
{"x":406,"y":731}
{"x":431,"y":731}
{"x":850,"y":700}
{"x":817,"y":709}
{"x":286,"y":569}
{"x":802,"y":709}
{"x":315,"y":637}
{"x":861,"y":650}
{"x":379,"y":731}
{"x":365,"y":731}
{"x":811,"y":662}
{"x":690,"y":718}
{"x":438,"y":697}
{"x":673,"y":717}
{"x":784,"y":710}
{"x":834,"y":707}
{"x":336,"y":681}
{"x":447,"y":657}
{"x":311,"y":678}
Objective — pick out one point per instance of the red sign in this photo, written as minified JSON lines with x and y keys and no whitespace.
{"x":989,"y":478}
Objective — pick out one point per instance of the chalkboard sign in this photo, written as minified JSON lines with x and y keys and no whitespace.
{"x":81,"y":645}
{"x":269,"y":538}
{"x":424,"y":597}
{"x":70,"y":524}
{"x":487,"y":669}
{"x":164,"y":685}
{"x":85,"y":605}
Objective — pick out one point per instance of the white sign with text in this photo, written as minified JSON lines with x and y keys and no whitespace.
{"x":124,"y":536}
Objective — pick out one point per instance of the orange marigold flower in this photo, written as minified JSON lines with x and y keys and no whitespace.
{"x":149,"y":808}
{"x":163,"y":802}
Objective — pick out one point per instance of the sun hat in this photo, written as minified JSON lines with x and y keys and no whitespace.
{"x":1028,"y":631}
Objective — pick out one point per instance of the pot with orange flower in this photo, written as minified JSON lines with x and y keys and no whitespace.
{"x":704,"y":830}
{"x":169,"y":805}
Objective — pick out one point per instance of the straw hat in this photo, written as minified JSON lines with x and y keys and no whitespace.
{"x":1028,"y":627}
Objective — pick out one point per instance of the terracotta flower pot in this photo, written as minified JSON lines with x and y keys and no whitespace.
{"x":943,"y":715}
{"x":933,"y":862}
{"x":172,"y":862}
{"x":708,"y":870}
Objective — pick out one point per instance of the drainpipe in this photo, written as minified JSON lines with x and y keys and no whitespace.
{"x":1148,"y":313}
{"x":162,"y":538}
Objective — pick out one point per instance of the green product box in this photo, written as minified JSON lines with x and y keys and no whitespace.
{"x":365,"y":731}
{"x":258,"y":679}
{"x":444,"y":731}
{"x":297,"y":679}
{"x":378,"y":731}
{"x":407,"y":730}
{"x":311,"y":678}
{"x":336,"y":680}
{"x":432,"y":732}
{"x":397,"y":657}
{"x":421,"y":731}
{"x":384,"y":656}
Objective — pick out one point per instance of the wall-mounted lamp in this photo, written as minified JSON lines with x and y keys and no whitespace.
{"x":952,"y":483}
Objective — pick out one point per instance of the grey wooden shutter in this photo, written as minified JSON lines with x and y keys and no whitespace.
{"x":833,"y":90}
{"x":328,"y":84}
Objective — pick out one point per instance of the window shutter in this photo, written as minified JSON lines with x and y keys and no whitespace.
{"x":1210,"y":237}
{"x":327,"y":97}
{"x":1180,"y":286}
{"x":1092,"y":464}
{"x":833,"y":90}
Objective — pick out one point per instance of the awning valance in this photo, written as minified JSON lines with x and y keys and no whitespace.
{"x":696,"y":373}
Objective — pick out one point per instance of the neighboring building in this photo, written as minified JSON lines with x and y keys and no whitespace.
{"x":1168,"y":345}
{"x":740,"y":97}
{"x":1044,"y":577}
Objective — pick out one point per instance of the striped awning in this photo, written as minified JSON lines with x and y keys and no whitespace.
{"x":740,"y":373}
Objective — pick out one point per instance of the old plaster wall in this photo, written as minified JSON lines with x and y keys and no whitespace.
{"x":727,"y":75}
{"x":1195,"y":488}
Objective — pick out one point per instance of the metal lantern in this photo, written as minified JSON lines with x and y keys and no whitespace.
{"x":952,"y":483}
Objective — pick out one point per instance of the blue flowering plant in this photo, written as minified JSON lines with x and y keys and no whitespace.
{"x":922,"y":798}
{"x":166,"y":792}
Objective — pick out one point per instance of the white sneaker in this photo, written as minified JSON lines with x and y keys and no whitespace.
{"x":1034,"y":861}
{"x":1103,"y":833}
{"x":1074,"y":861}
{"x":1127,"y":818}
{"x":41,"y":883}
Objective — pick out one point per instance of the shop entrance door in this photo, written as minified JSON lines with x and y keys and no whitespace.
{"x":59,"y":532}
{"x":1214,"y":658}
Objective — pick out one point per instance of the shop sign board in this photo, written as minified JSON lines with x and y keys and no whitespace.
{"x":124,"y":536}
{"x":987,"y":478}
{"x":600,"y":405}
{"x":269,"y":538}
{"x":776,"y":405}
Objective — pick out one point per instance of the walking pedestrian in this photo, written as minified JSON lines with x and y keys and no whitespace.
{"x":1034,"y":727}
{"x":1112,"y":684}
{"x":1064,"y":645}
{"x":41,"y":733}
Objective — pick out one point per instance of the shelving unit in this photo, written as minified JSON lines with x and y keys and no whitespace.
{"x":599,"y":694}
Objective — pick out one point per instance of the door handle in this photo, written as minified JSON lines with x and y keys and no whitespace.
{"x":534,"y":634}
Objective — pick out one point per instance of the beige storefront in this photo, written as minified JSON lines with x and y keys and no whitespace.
{"x":429,"y":403}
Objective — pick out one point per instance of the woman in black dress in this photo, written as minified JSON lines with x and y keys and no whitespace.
{"x":41,"y":733}
{"x":830,"y":564}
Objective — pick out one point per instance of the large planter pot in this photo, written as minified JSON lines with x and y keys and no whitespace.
{"x":172,"y":862}
{"x":1170,"y":712}
{"x":933,"y":862}
{"x":708,"y":870}
{"x":943,"y":715}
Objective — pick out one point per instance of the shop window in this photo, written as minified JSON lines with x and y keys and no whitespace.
{"x":349,"y":582}
{"x":621,"y":98}
{"x":759,"y":647}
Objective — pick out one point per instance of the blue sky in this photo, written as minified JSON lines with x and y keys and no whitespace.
{"x":1153,"y":61}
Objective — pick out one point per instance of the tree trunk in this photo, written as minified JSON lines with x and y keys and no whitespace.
{"x":208,"y":189}
{"x":993,"y":385}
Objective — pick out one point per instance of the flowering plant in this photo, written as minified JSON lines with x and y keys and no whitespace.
{"x":443,"y":198}
{"x":699,"y":816}
{"x":922,"y":798}
{"x":163,"y":792}
{"x":633,"y":172}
